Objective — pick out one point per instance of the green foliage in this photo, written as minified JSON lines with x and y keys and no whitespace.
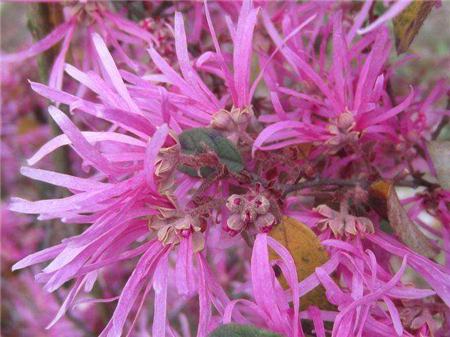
{"x":235,"y":330}
{"x":201,"y":140}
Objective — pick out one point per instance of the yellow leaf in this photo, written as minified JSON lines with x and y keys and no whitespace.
{"x":308,"y":254}
{"x":408,"y":23}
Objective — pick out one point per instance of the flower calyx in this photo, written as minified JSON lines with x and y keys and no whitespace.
{"x":343,"y":130}
{"x":165,"y":166}
{"x":172,"y":227}
{"x":234,"y":123}
{"x":342,"y":223}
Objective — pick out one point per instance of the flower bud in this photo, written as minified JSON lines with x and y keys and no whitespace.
{"x":265,"y":222}
{"x":345,"y":121}
{"x":222,"y":120}
{"x":235,"y":223}
{"x":242,"y":116}
{"x":185,"y":233}
{"x":261,"y":204}
{"x":235,"y":203}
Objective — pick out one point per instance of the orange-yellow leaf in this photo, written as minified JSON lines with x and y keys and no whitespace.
{"x":308,"y":254}
{"x":408,"y":23}
{"x":378,"y":194}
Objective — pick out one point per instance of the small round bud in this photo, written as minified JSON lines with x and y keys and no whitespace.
{"x":261,"y":204}
{"x":265,"y":222}
{"x":222,"y":120}
{"x":235,"y":203}
{"x":235,"y":223}
{"x":242,"y":116}
{"x":345,"y":121}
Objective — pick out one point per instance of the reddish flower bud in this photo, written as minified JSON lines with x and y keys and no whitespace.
{"x":235,"y":223}
{"x":261,"y":204}
{"x":235,"y":203}
{"x":265,"y":222}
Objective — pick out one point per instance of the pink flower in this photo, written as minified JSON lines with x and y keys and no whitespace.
{"x":84,"y":19}
{"x":31,"y":308}
{"x":124,"y":196}
{"x":188,"y":160}
{"x":271,"y":306}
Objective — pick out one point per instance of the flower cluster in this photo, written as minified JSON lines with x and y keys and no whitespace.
{"x":258,"y":165}
{"x":247,"y":210}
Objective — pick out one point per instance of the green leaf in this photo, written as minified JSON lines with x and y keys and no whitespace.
{"x":200,"y":140}
{"x":227,"y":152}
{"x":204,"y":172}
{"x":196,"y":141}
{"x":386,"y":227}
{"x":235,"y":330}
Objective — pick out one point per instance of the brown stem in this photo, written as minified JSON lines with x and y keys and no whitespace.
{"x":418,"y":179}
{"x":323,"y":182}
{"x":249,"y":240}
{"x":42,"y":19}
{"x":161,"y":8}
{"x":206,"y":207}
{"x":444,"y":122}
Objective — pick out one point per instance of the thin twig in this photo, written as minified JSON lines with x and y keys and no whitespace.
{"x":161,"y":8}
{"x":444,"y":122}
{"x":206,"y":207}
{"x":42,"y":19}
{"x":322,"y":182}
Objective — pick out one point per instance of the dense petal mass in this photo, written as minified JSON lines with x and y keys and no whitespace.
{"x":248,"y":162}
